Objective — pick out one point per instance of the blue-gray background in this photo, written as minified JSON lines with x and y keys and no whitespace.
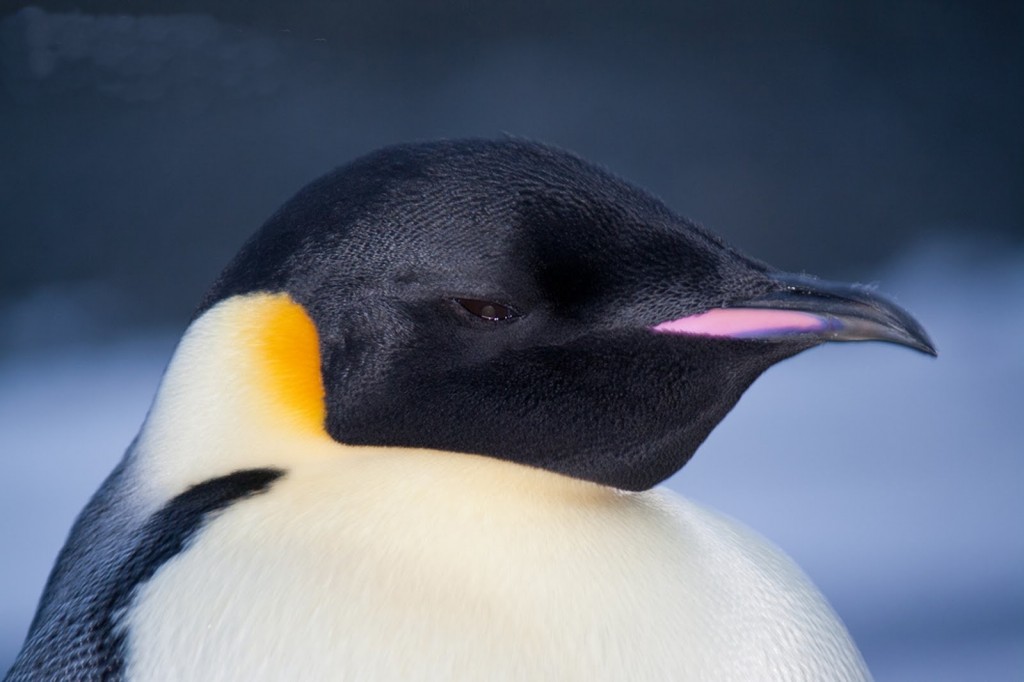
{"x":878,"y":141}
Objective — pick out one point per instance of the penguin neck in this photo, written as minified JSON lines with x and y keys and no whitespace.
{"x":244,"y":390}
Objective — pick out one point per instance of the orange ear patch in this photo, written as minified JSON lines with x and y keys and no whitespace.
{"x":288,"y":355}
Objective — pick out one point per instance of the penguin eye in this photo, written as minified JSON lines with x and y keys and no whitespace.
{"x":488,"y":310}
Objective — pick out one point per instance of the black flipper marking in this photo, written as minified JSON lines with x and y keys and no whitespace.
{"x":85,"y":644}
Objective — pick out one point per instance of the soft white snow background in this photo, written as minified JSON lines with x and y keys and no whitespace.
{"x":895,"y":480}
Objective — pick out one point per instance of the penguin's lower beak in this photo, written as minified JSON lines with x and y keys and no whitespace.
{"x":807,"y":308}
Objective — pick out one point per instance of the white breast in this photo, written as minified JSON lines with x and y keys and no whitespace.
{"x":416,"y":565}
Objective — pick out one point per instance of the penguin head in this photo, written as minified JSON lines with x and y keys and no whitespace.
{"x":506,"y":299}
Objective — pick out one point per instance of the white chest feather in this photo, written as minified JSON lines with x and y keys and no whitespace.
{"x":429,"y":566}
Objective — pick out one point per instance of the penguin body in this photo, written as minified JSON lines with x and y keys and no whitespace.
{"x":412,"y":434}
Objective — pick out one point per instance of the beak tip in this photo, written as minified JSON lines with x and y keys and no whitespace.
{"x":908,"y":330}
{"x":928,"y":347}
{"x":925,"y":345}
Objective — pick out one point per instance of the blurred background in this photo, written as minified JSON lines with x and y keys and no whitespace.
{"x":876,"y":141}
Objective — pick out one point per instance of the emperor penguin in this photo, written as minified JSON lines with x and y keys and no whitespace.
{"x":414,"y":432}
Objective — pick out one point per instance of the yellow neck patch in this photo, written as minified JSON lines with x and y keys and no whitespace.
{"x":287,"y":359}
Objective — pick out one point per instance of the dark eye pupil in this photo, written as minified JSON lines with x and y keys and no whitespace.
{"x":488,"y":310}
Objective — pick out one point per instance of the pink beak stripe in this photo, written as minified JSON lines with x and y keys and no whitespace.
{"x":745,"y":323}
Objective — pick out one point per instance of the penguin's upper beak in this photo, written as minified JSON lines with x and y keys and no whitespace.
{"x":812,"y":309}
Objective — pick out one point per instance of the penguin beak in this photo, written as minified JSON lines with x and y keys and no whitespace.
{"x":805,"y":308}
